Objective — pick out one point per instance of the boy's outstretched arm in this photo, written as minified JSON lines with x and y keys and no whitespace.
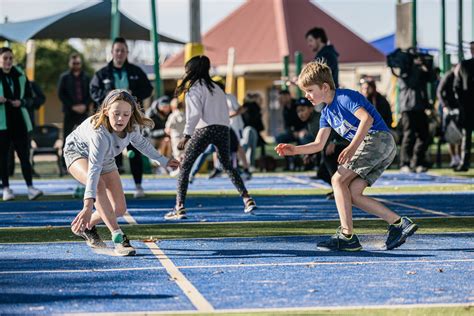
{"x":311,"y":148}
{"x":366,"y":121}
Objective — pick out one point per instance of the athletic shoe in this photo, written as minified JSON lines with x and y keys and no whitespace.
{"x":191,"y":179}
{"x":215,"y":173}
{"x":176,"y":214}
{"x":398,"y":233}
{"x":250,"y":206}
{"x":139,"y":193}
{"x":34,"y":193}
{"x":124,"y":248}
{"x":405,"y":169}
{"x":340,"y":242}
{"x":8,"y":194}
{"x":421,"y":169}
{"x":92,"y":238}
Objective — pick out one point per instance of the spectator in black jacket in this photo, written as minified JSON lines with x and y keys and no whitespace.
{"x":73,"y":91}
{"x":120,"y":74}
{"x":15,"y":123}
{"x":450,"y":109}
{"x":464,"y":87}
{"x":368,"y":88}
{"x":317,"y":40}
{"x":294,"y":128}
{"x":159,"y":112}
{"x":413,"y":99}
{"x":34,"y":103}
{"x":252,"y":117}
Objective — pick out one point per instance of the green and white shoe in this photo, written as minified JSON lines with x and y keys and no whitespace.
{"x":122,"y":246}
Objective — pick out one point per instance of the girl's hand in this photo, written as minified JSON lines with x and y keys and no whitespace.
{"x":16,"y":103}
{"x":346,"y":155}
{"x":182,"y":143}
{"x":173,"y":164}
{"x":82,"y":220}
{"x":285,"y":149}
{"x":2,"y":99}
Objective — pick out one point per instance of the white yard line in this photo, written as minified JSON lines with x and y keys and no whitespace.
{"x":128,"y":217}
{"x":198,"y":300}
{"x":301,"y":181}
{"x":422,"y":209}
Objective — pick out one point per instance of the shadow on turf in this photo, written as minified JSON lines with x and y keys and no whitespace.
{"x":261,"y":253}
{"x":21,"y":298}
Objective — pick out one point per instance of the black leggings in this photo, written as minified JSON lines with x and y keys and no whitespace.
{"x":219,"y":136}
{"x":22,"y":148}
{"x":136,"y":165}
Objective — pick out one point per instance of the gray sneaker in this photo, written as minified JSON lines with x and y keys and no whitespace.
{"x":92,"y":238}
{"x":340,"y":242}
{"x":124,"y":248}
{"x":398,"y":233}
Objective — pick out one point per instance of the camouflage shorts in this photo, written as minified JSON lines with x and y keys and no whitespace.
{"x":373,"y":156}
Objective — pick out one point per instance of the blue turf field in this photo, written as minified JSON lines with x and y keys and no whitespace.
{"x":271,"y":273}
{"x":230,"y":209}
{"x":236,"y":273}
{"x":259,"y":182}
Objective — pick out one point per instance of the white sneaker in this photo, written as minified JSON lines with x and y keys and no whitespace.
{"x":174,"y":173}
{"x":405,"y":169}
{"x":421,"y":169}
{"x":8,"y":194}
{"x":250,"y":206}
{"x":139,"y":193}
{"x":34,"y":193}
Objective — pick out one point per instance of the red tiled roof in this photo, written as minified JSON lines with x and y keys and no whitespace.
{"x":263,"y":31}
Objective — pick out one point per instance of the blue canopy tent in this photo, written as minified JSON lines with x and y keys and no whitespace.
{"x":386,"y":45}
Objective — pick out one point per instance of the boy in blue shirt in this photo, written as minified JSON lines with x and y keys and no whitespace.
{"x":371,"y":151}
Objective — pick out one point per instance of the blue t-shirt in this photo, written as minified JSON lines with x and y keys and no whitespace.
{"x":340,"y":114}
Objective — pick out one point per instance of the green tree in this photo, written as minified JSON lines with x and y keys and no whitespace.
{"x":51,"y":60}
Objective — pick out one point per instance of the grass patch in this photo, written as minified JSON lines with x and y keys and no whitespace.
{"x":405,"y":311}
{"x":237,"y":229}
{"x":280,"y":192}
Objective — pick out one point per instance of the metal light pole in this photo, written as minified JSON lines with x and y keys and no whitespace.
{"x":460,"y":49}
{"x":155,"y":40}
{"x":298,"y":67}
{"x":194,"y":47}
{"x":443,"y":62}
{"x":413,"y":25}
{"x":115,"y":20}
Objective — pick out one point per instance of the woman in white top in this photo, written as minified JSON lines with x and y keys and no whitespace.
{"x":89,"y":153}
{"x":207,"y":122}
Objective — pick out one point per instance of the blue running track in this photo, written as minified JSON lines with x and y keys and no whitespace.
{"x":236,"y":274}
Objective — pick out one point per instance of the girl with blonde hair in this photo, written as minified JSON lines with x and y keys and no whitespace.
{"x":89,"y":153}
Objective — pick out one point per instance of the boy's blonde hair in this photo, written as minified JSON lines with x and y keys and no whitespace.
{"x":137,"y":115}
{"x":316,"y":72}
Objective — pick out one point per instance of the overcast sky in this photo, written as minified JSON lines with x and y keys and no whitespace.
{"x":370,"y":19}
